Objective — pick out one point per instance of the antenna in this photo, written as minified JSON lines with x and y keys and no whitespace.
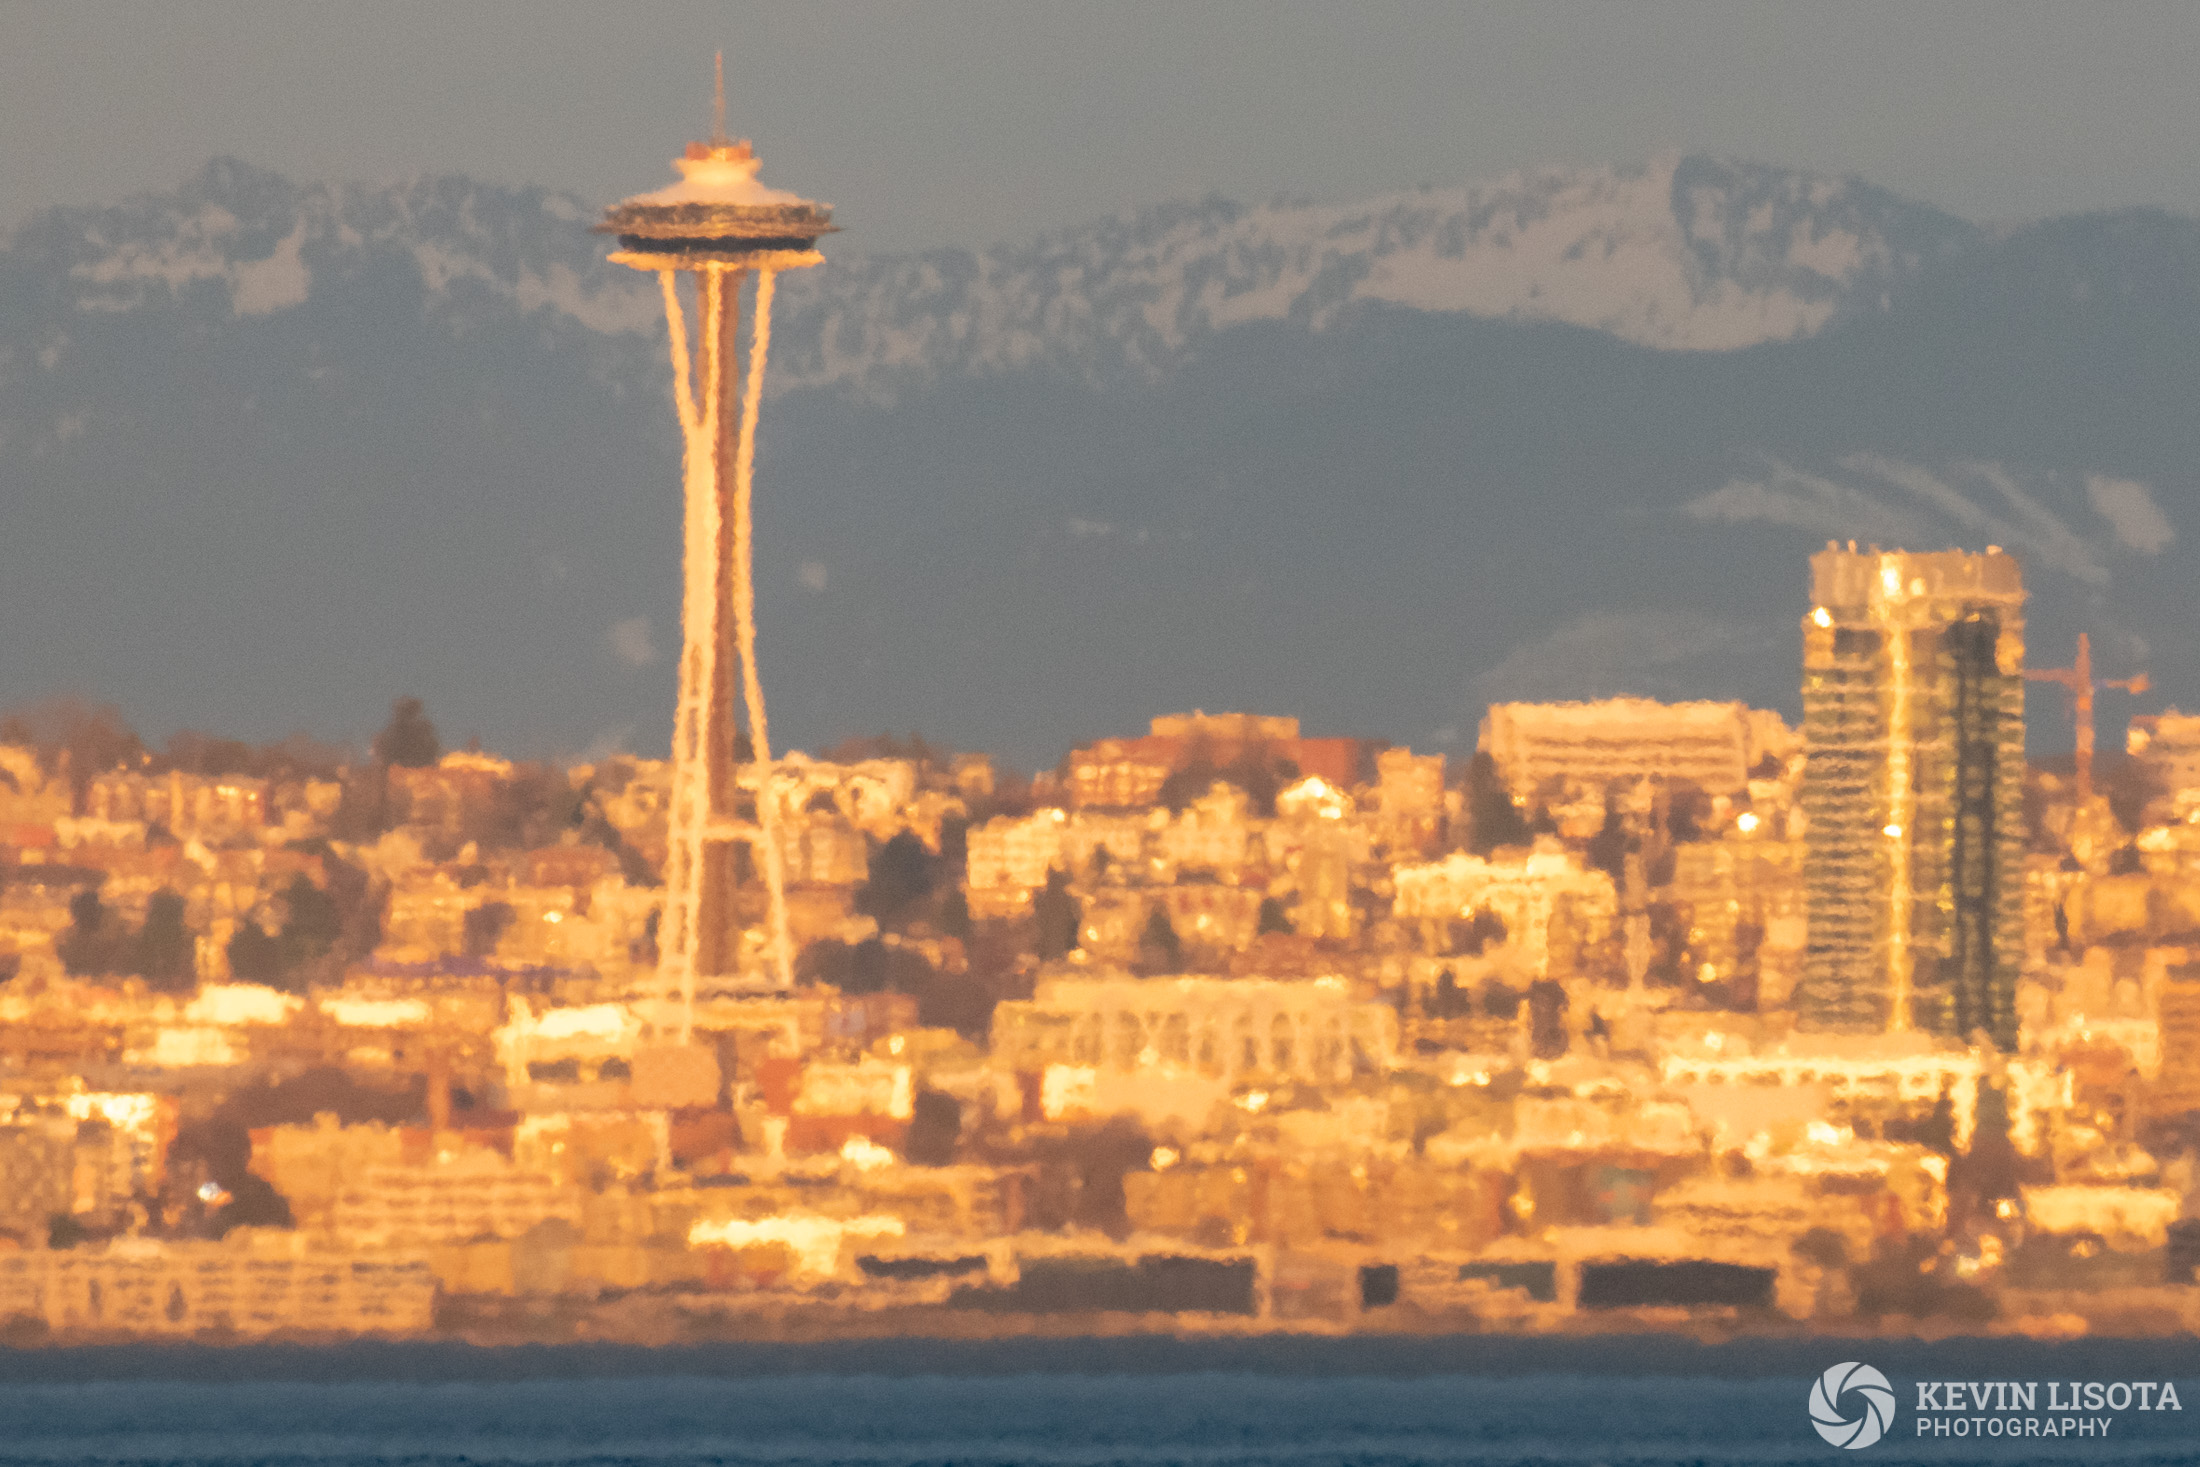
{"x":718,"y":106}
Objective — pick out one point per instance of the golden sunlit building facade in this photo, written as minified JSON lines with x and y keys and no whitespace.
{"x":1913,"y":719}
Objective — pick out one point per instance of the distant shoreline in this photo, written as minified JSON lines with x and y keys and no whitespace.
{"x":1373,"y":1356}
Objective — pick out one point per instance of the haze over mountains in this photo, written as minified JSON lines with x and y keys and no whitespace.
{"x":273,"y":453}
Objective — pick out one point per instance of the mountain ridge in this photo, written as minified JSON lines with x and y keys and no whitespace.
{"x":272,"y":453}
{"x":1687,"y":252}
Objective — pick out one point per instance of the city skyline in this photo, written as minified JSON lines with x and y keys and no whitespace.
{"x":1368,"y":866}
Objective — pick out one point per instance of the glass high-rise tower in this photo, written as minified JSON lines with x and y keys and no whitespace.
{"x":1913,"y":794}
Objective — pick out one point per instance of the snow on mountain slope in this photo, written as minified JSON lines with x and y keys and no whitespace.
{"x":1684,"y":252}
{"x":1681,"y":253}
{"x":260,"y":240}
{"x":272,"y":453}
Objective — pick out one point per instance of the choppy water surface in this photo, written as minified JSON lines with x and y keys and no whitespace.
{"x":1054,"y":1407}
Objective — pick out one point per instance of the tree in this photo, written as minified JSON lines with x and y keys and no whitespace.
{"x":1987,"y":1172}
{"x":887,"y":746}
{"x":2131,"y":785}
{"x":319,"y":929}
{"x":1449,"y":1001}
{"x":300,"y":756}
{"x":901,"y":877}
{"x":408,"y":740}
{"x":358,"y":905}
{"x":485,"y":926}
{"x":255,"y":956}
{"x":198,"y":753}
{"x":76,"y":738}
{"x":1607,"y":849}
{"x":1158,"y":945}
{"x":97,"y":944}
{"x":955,"y":914}
{"x":1687,"y":811}
{"x":534,"y":807}
{"x":1257,"y":770}
{"x":1493,"y":819}
{"x":1058,"y":917}
{"x":311,"y":922}
{"x":166,"y":954}
{"x":365,"y":810}
{"x":1000,"y":967}
{"x":934,"y":1127}
{"x":1469,"y":936}
{"x":1547,"y":1018}
{"x":869,"y":966}
{"x":643,"y":950}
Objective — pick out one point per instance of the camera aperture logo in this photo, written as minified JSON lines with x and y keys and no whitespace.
{"x":1852,"y":1405}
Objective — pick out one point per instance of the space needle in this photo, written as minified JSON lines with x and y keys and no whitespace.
{"x":721,"y":226}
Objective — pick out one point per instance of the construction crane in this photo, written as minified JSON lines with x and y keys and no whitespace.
{"x":2077,"y":681}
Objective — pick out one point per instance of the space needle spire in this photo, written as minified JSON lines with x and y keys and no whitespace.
{"x":721,"y":226}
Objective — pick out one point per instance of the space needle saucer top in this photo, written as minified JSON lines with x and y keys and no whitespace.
{"x":717,"y":213}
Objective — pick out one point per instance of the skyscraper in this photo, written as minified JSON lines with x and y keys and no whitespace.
{"x":1913,"y":719}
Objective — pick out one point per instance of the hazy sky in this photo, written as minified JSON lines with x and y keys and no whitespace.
{"x":967,"y":123}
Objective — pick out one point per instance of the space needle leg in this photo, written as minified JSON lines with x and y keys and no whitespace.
{"x":744,"y":611}
{"x":687,"y":941}
{"x":676,"y":928}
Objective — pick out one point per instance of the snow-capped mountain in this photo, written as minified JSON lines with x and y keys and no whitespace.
{"x":1688,"y":252}
{"x":259,"y":242}
{"x":272,"y":453}
{"x":1684,"y":252}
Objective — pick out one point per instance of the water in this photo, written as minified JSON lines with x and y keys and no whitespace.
{"x":1062,"y":1404}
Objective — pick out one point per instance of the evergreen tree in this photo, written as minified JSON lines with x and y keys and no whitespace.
{"x":255,"y":956}
{"x":901,"y":878}
{"x":1058,"y":918}
{"x":1493,"y":819}
{"x":97,"y":944}
{"x":166,"y":954}
{"x":312,"y":923}
{"x":1158,"y":944}
{"x":484,"y":927}
{"x":1448,"y":1002}
{"x":408,"y":739}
